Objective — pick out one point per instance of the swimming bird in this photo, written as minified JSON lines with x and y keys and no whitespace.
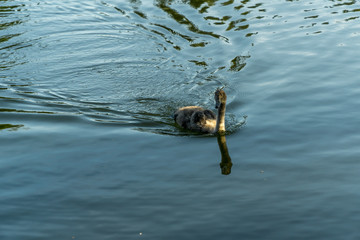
{"x":198,"y":119}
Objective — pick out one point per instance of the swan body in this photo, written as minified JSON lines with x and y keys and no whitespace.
{"x":198,"y":119}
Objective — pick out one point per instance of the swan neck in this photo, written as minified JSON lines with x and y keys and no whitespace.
{"x":220,"y":121}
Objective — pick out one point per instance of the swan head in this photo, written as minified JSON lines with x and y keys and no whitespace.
{"x":220,"y":97}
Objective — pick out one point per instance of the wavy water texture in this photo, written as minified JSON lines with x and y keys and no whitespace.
{"x":133,"y":63}
{"x":87,"y":93}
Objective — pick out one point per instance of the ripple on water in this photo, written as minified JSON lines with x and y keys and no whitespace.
{"x":77,"y":76}
{"x":133,"y":63}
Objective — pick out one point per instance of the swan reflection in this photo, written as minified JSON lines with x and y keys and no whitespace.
{"x":225,"y":163}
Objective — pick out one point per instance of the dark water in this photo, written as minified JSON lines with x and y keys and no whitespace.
{"x":89,"y":150}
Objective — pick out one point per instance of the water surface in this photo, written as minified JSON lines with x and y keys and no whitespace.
{"x":89,"y":149}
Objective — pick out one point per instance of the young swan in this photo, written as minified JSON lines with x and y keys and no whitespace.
{"x":197,"y":119}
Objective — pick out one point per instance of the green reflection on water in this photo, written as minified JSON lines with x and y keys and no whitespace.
{"x":198,"y":3}
{"x":238,"y":63}
{"x":10,"y":127}
{"x":24,"y":111}
{"x":9,"y":39}
{"x":182,"y":19}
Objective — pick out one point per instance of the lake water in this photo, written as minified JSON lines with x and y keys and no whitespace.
{"x":88,"y":148}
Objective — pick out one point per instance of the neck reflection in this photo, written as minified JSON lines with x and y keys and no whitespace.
{"x":226,"y":163}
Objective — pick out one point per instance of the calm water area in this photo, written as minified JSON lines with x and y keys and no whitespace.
{"x":89,"y":149}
